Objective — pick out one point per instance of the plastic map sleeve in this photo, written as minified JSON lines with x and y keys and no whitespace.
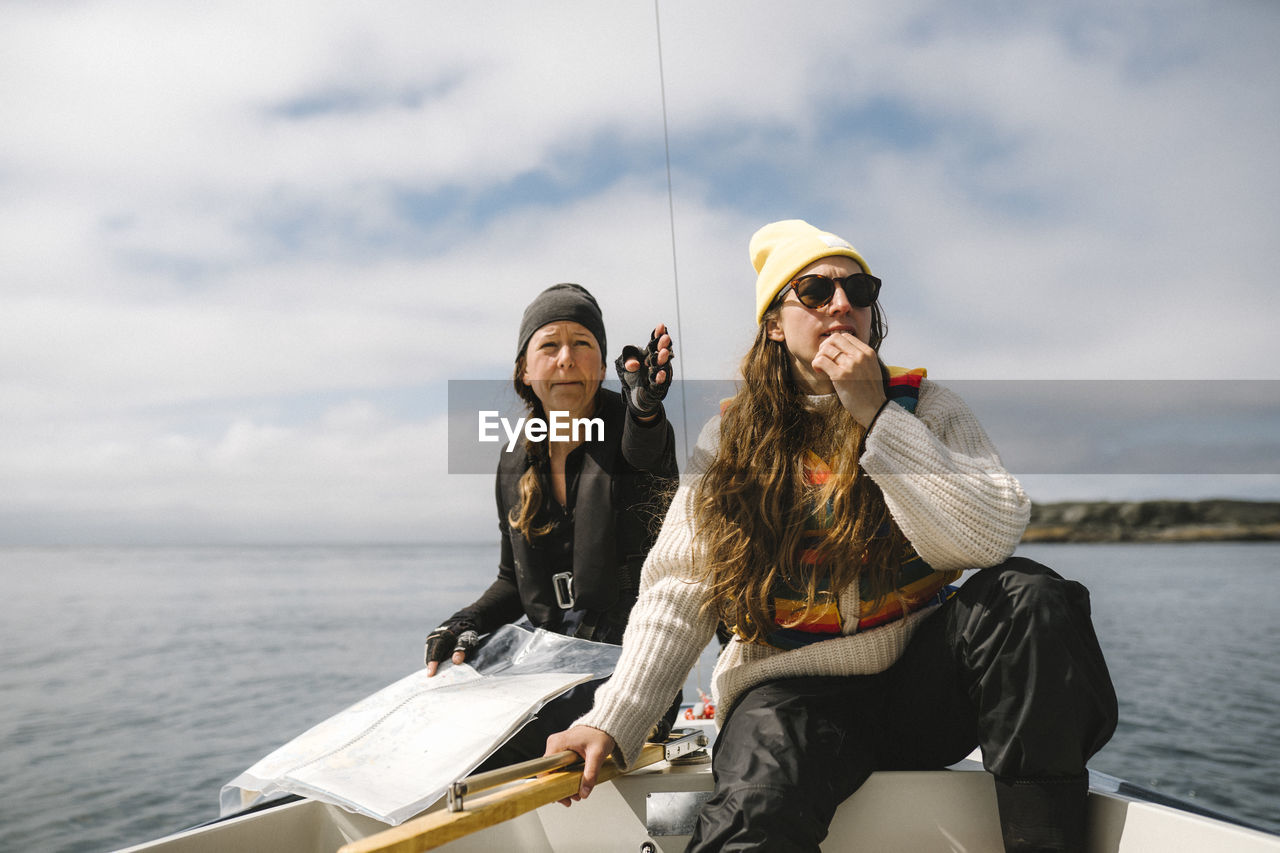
{"x":394,"y":753}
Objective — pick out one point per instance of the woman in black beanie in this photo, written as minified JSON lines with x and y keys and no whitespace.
{"x":577,"y":517}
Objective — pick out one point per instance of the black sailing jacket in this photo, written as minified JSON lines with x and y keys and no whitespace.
{"x":618,"y":490}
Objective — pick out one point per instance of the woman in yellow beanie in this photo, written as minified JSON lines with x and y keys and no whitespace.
{"x":829,"y":509}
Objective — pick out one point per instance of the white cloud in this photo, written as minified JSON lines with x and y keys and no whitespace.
{"x":263,"y":220}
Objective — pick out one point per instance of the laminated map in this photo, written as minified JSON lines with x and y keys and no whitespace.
{"x":394,"y":753}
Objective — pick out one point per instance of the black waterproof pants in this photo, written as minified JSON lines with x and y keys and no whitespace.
{"x":1010,"y":663}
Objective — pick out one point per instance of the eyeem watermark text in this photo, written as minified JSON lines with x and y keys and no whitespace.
{"x":560,"y":427}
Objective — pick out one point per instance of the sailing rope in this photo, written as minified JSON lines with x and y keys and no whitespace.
{"x":675,"y":267}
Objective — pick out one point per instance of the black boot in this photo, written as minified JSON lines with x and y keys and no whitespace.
{"x":1043,"y":814}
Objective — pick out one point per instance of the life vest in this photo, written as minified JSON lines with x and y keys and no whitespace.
{"x":798,"y":621}
{"x":614,"y":526}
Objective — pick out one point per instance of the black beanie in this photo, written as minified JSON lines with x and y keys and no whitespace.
{"x":562,"y":302}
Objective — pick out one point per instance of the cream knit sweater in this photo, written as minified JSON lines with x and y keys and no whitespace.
{"x":945,"y":487}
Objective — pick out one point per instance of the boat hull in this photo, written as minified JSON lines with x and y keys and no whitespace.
{"x":944,"y":811}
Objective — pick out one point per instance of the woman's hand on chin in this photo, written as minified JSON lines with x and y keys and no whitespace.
{"x":854,"y":371}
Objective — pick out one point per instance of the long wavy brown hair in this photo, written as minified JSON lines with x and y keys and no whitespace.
{"x":751,"y":506}
{"x":532,"y":485}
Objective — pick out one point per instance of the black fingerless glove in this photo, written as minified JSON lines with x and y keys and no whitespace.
{"x":641,"y":389}
{"x":453,"y":637}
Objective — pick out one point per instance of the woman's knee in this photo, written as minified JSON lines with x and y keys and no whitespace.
{"x":1026,"y":625}
{"x":1025,"y":591}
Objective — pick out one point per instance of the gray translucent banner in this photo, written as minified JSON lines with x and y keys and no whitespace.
{"x":1182,"y":427}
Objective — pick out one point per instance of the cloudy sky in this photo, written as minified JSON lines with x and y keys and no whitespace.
{"x":246,"y":246}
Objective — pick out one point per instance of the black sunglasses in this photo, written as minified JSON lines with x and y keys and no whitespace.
{"x":814,"y":291}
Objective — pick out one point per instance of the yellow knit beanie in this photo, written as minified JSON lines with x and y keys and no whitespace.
{"x":779,"y":250}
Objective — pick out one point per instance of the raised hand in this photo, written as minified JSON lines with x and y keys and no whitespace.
{"x":646,"y":374}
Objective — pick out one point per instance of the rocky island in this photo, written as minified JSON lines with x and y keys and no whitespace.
{"x":1155,"y":521}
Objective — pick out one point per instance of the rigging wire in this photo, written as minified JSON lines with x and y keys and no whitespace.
{"x":671,"y":217}
{"x":675,"y":266}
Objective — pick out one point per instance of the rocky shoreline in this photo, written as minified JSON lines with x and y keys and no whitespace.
{"x":1155,"y":521}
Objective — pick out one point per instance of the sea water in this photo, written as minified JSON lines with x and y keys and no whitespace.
{"x":135,"y":682}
